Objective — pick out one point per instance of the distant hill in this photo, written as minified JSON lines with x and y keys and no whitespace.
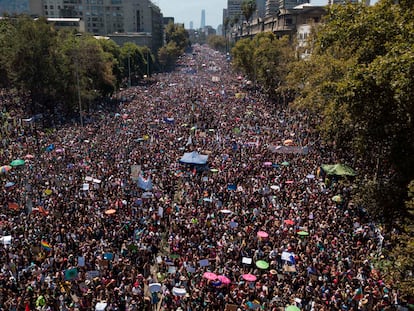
{"x":14,"y":6}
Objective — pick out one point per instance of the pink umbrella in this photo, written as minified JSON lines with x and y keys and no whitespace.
{"x":249,"y":277}
{"x":289,"y":222}
{"x":262,"y":234}
{"x":268,"y":163}
{"x":224,"y":279}
{"x":210,"y":276}
{"x":29,"y":156}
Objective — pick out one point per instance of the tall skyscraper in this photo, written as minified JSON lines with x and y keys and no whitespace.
{"x":191,"y":25}
{"x":260,"y":8}
{"x":272,"y":6}
{"x":203,"y":19}
{"x":234,"y":9}
{"x":290,"y":4}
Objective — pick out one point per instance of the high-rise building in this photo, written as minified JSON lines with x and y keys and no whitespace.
{"x":203,"y":19}
{"x":260,"y":9}
{"x":103,"y":17}
{"x":191,"y":25}
{"x":272,"y":7}
{"x":344,"y":1}
{"x":234,"y":10}
{"x":290,"y":4}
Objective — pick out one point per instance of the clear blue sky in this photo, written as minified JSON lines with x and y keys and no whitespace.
{"x":185,"y":11}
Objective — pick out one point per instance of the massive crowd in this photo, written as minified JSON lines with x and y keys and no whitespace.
{"x":105,"y":217}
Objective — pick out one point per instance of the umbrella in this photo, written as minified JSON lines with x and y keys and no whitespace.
{"x":288,"y":142}
{"x":4,"y":169}
{"x":224,"y":279}
{"x":310,"y":176}
{"x":210,"y":276}
{"x":262,"y":234}
{"x":17,"y":162}
{"x":9,"y":184}
{"x":155,"y":287}
{"x":274,"y":187}
{"x":267,"y":163}
{"x":147,"y":195}
{"x":60,"y":150}
{"x":303,"y":233}
{"x":249,"y":277}
{"x":261,"y":264}
{"x":177,"y":291}
{"x":285,"y":163}
{"x":289,"y":222}
{"x":216,"y":283}
{"x":214,"y":170}
{"x":110,"y":211}
{"x":29,"y":156}
{"x":226,"y":211}
{"x":337,"y":199}
{"x":292,"y":308}
{"x":48,"y":191}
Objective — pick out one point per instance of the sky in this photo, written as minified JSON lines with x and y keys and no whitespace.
{"x":185,"y":11}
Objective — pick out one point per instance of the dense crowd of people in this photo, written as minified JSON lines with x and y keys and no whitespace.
{"x":106,"y":217}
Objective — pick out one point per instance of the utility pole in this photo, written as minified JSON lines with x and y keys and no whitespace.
{"x":129,"y":70}
{"x":78,"y":84}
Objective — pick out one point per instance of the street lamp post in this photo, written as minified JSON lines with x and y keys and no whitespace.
{"x":78,"y":84}
{"x":129,"y":70}
{"x":148,"y":71}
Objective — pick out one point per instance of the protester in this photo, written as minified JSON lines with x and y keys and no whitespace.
{"x":80,"y":232}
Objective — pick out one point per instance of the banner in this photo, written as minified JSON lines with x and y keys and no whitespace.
{"x":289,"y":149}
{"x":144,"y":183}
{"x":135,"y":172}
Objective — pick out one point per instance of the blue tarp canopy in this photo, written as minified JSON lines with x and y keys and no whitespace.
{"x":194,"y":158}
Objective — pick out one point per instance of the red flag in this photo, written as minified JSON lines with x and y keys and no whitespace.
{"x":43,"y":211}
{"x":14,"y":206}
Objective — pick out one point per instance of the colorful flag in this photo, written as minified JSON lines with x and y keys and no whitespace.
{"x":14,"y":206}
{"x":358,"y":294}
{"x":144,"y":183}
{"x":71,"y":274}
{"x":46,"y":246}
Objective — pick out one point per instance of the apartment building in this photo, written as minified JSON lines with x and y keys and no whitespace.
{"x":105,"y":17}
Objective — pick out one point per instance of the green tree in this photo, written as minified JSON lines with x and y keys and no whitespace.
{"x":35,"y":61}
{"x":176,"y":33}
{"x":7,"y":31}
{"x":133,"y":61}
{"x":168,"y":55}
{"x":243,"y":57}
{"x":265,"y":60}
{"x":248,"y":7}
{"x":109,"y":46}
{"x":358,"y":80}
{"x":217,"y":42}
{"x":85,"y":64}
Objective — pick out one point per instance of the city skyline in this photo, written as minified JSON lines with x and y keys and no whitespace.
{"x":185,"y":11}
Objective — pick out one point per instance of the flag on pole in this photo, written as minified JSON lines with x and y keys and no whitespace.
{"x":46,"y":246}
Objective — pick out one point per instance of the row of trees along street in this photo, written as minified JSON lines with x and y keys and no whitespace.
{"x":49,"y":67}
{"x":358,"y":87}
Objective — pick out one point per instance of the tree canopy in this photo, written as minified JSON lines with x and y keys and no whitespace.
{"x":46,"y":64}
